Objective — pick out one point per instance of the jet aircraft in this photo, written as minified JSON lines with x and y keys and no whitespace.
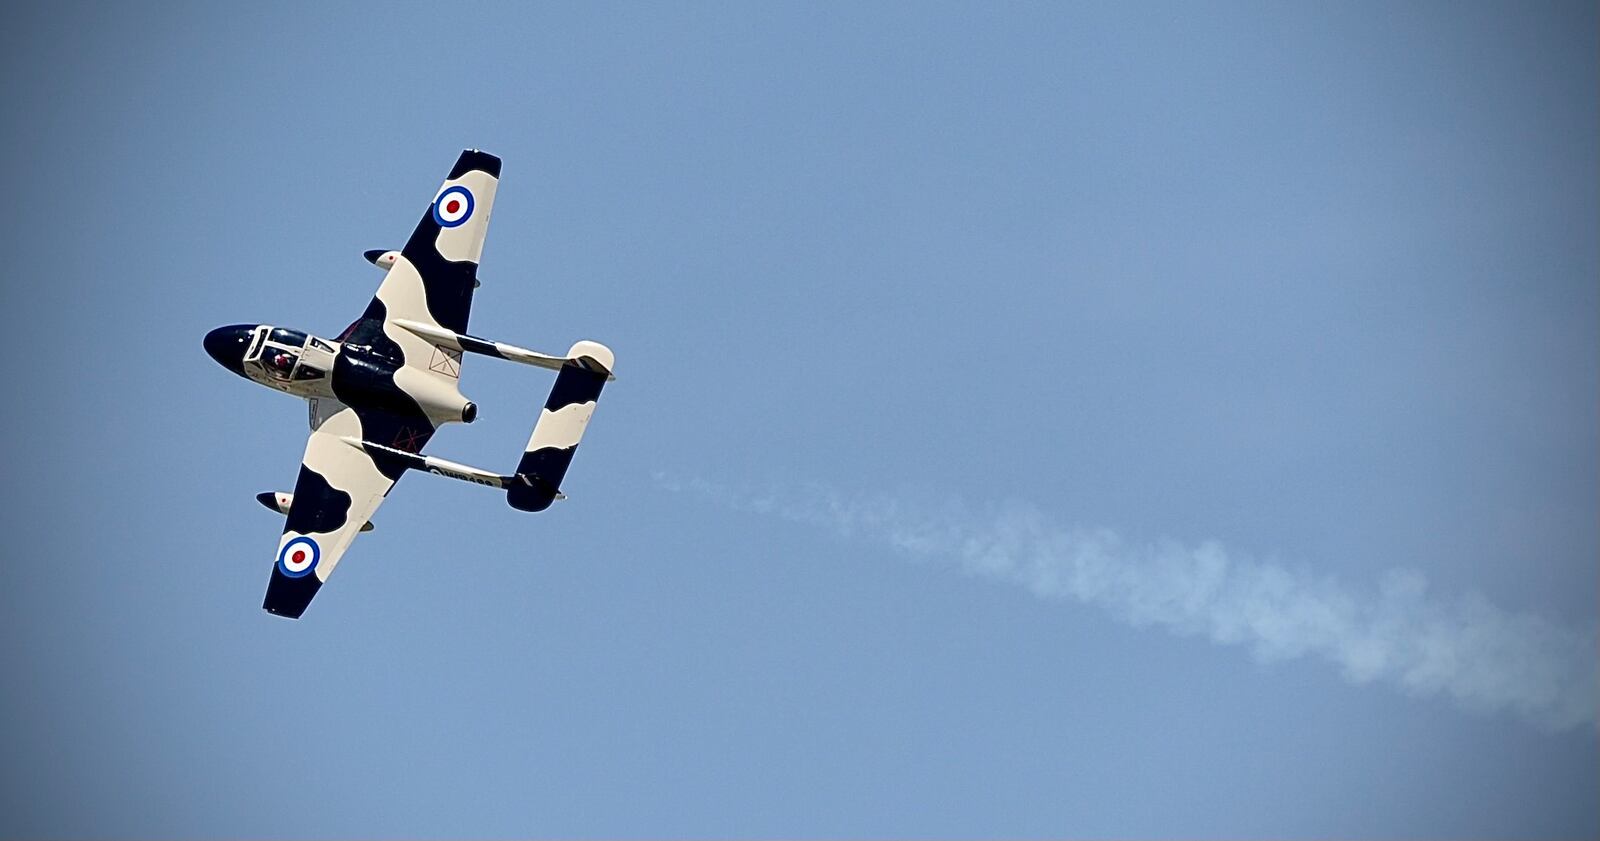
{"x":379,"y":391}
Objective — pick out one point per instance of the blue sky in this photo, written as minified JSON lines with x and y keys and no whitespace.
{"x":906,"y":302}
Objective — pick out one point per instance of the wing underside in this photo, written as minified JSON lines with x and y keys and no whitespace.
{"x":338,"y":490}
{"x":430,"y":283}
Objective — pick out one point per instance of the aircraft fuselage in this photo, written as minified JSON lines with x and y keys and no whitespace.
{"x":363,"y":371}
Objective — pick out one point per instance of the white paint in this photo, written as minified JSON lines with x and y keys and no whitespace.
{"x":464,"y":242}
{"x":346,"y":470}
{"x":562,"y":428}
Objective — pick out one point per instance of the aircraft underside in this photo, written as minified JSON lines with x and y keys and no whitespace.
{"x":379,"y":392}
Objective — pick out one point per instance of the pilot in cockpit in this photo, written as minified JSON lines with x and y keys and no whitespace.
{"x":279,"y":362}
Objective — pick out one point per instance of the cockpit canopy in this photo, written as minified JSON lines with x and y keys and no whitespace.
{"x":284,"y":355}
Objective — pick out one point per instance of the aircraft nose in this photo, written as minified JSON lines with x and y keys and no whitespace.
{"x":227,"y":345}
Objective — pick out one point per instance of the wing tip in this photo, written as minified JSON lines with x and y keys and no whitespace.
{"x":475,"y":159}
{"x":289,"y":597}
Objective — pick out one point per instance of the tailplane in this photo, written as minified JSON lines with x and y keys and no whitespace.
{"x":561,"y":425}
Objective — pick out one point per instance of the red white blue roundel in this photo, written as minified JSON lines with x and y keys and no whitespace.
{"x":453,"y":207}
{"x":299,"y":557}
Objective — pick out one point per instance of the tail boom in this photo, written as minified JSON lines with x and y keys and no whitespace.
{"x":431,"y":464}
{"x":592,"y":356}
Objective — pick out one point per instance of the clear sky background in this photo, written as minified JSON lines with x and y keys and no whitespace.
{"x":904,"y":299}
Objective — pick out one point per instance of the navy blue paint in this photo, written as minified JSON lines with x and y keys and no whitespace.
{"x":365,"y":382}
{"x":408,"y":433}
{"x":289,"y":596}
{"x":574,"y":384}
{"x":474,"y":344}
{"x":227,"y":346}
{"x":539,"y":476}
{"x":367,"y":335}
{"x":318,"y":507}
{"x":389,"y":463}
{"x":545,"y":467}
{"x":473,"y":159}
{"x":447,"y":285}
{"x":363,"y":379}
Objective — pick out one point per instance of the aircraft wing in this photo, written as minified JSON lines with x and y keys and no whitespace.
{"x":430,"y":283}
{"x":432,"y":279}
{"x":339,"y":488}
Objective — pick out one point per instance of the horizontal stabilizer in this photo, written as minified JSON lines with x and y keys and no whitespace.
{"x":561,"y":426}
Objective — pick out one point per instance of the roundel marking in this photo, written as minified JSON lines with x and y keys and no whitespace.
{"x":299,"y":557}
{"x":453,"y":207}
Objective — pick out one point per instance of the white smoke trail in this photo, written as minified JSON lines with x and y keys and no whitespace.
{"x":1485,"y":658}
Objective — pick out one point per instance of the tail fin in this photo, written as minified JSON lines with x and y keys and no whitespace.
{"x":555,"y":437}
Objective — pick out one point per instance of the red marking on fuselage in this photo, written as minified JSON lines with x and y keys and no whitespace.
{"x":453,"y":206}
{"x":408,"y":439}
{"x":299,"y":556}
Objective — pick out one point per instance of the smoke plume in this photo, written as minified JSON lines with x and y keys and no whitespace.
{"x":1397,"y":633}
